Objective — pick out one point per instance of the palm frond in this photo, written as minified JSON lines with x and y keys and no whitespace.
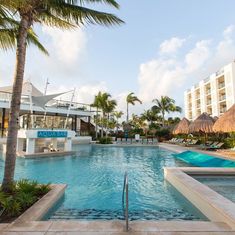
{"x":112,"y":3}
{"x":80,"y":15}
{"x":7,"y":39}
{"x":53,"y":21}
{"x":32,"y":38}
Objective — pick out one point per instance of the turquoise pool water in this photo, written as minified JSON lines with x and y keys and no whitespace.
{"x":203,"y":160}
{"x":223,"y":185}
{"x":95,"y":182}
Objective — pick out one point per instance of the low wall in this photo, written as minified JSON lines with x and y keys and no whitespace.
{"x":82,"y":140}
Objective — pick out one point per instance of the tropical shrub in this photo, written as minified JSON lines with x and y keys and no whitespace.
{"x":23,"y":194}
{"x":105,"y":140}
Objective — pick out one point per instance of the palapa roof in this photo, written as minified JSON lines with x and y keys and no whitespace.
{"x":226,"y":123}
{"x":203,"y":123}
{"x":182,"y":127}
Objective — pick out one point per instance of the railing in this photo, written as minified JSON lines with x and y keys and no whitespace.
{"x":125,"y":199}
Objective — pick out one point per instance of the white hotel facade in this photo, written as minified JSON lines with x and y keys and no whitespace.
{"x":213,"y":95}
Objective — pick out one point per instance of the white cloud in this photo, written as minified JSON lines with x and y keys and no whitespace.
{"x":171,"y":45}
{"x":173,"y":74}
{"x":68,"y":46}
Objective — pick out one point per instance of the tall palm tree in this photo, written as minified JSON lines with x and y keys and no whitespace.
{"x":165,"y":105}
{"x":96,"y":104}
{"x":131,"y":99}
{"x":110,"y":107}
{"x":117,"y":115}
{"x":65,"y":14}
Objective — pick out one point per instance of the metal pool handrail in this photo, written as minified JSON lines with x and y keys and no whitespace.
{"x":125,"y":196}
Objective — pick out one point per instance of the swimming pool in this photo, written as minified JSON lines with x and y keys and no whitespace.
{"x":95,"y":182}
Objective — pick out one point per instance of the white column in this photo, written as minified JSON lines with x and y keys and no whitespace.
{"x":30,"y":146}
{"x":54,"y":143}
{"x":68,"y":144}
{"x":20,"y":144}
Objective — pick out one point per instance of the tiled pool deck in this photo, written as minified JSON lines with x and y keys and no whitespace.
{"x":29,"y":226}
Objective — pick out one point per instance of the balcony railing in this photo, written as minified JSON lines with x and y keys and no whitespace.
{"x":219,"y":72}
{"x":221,"y":85}
{"x":208,"y":102}
{"x":222,"y":97}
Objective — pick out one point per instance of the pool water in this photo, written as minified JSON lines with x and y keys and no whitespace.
{"x":203,"y":160}
{"x":95,"y":183}
{"x":223,"y":185}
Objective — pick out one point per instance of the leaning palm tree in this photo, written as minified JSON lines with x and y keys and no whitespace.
{"x":165,"y":105}
{"x":131,"y":99}
{"x":65,"y":14}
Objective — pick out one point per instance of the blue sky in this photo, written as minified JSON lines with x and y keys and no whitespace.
{"x":164,"y":47}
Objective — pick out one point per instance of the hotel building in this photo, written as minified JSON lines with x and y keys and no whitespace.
{"x":213,"y":95}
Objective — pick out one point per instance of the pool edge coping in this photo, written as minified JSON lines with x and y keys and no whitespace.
{"x":212,"y":204}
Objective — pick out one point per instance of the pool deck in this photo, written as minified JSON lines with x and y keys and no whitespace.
{"x":115,"y":228}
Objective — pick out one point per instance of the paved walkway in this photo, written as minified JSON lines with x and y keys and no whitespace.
{"x":116,"y":228}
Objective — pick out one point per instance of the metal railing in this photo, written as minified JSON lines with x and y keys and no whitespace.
{"x":125,"y":199}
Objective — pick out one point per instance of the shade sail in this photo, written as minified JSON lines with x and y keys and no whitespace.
{"x":182,"y":127}
{"x":226,"y":123}
{"x":41,"y":101}
{"x":204,"y":123}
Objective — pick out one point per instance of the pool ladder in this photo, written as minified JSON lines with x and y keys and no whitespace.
{"x":125,"y":199}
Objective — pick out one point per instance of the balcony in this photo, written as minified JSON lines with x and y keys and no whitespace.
{"x":223,"y":110}
{"x":220,"y":72}
{"x":208,"y":92}
{"x":222,"y":98}
{"x":208,"y":102}
{"x":221,"y":85}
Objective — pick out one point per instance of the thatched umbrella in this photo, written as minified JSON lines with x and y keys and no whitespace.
{"x":182,"y":127}
{"x":226,"y":123}
{"x":203,"y":124}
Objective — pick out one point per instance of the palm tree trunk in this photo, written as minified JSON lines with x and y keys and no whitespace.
{"x":163,"y":119}
{"x":96,"y":126}
{"x":127,"y":112}
{"x":102,"y":128}
{"x":15,"y":105}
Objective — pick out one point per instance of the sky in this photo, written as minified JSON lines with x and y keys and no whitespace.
{"x":164,"y":47}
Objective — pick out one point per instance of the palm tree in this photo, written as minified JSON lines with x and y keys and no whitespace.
{"x":110,"y":106}
{"x":65,"y":14}
{"x":131,"y":99}
{"x":117,"y":115}
{"x":165,"y":105}
{"x":96,"y":104}
{"x":150,"y":116}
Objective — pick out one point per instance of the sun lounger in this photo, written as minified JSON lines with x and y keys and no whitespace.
{"x":215,"y":146}
{"x":119,"y":141}
{"x":144,"y":141}
{"x":192,"y":143}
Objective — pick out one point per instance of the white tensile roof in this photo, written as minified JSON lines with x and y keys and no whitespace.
{"x":27,"y":89}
